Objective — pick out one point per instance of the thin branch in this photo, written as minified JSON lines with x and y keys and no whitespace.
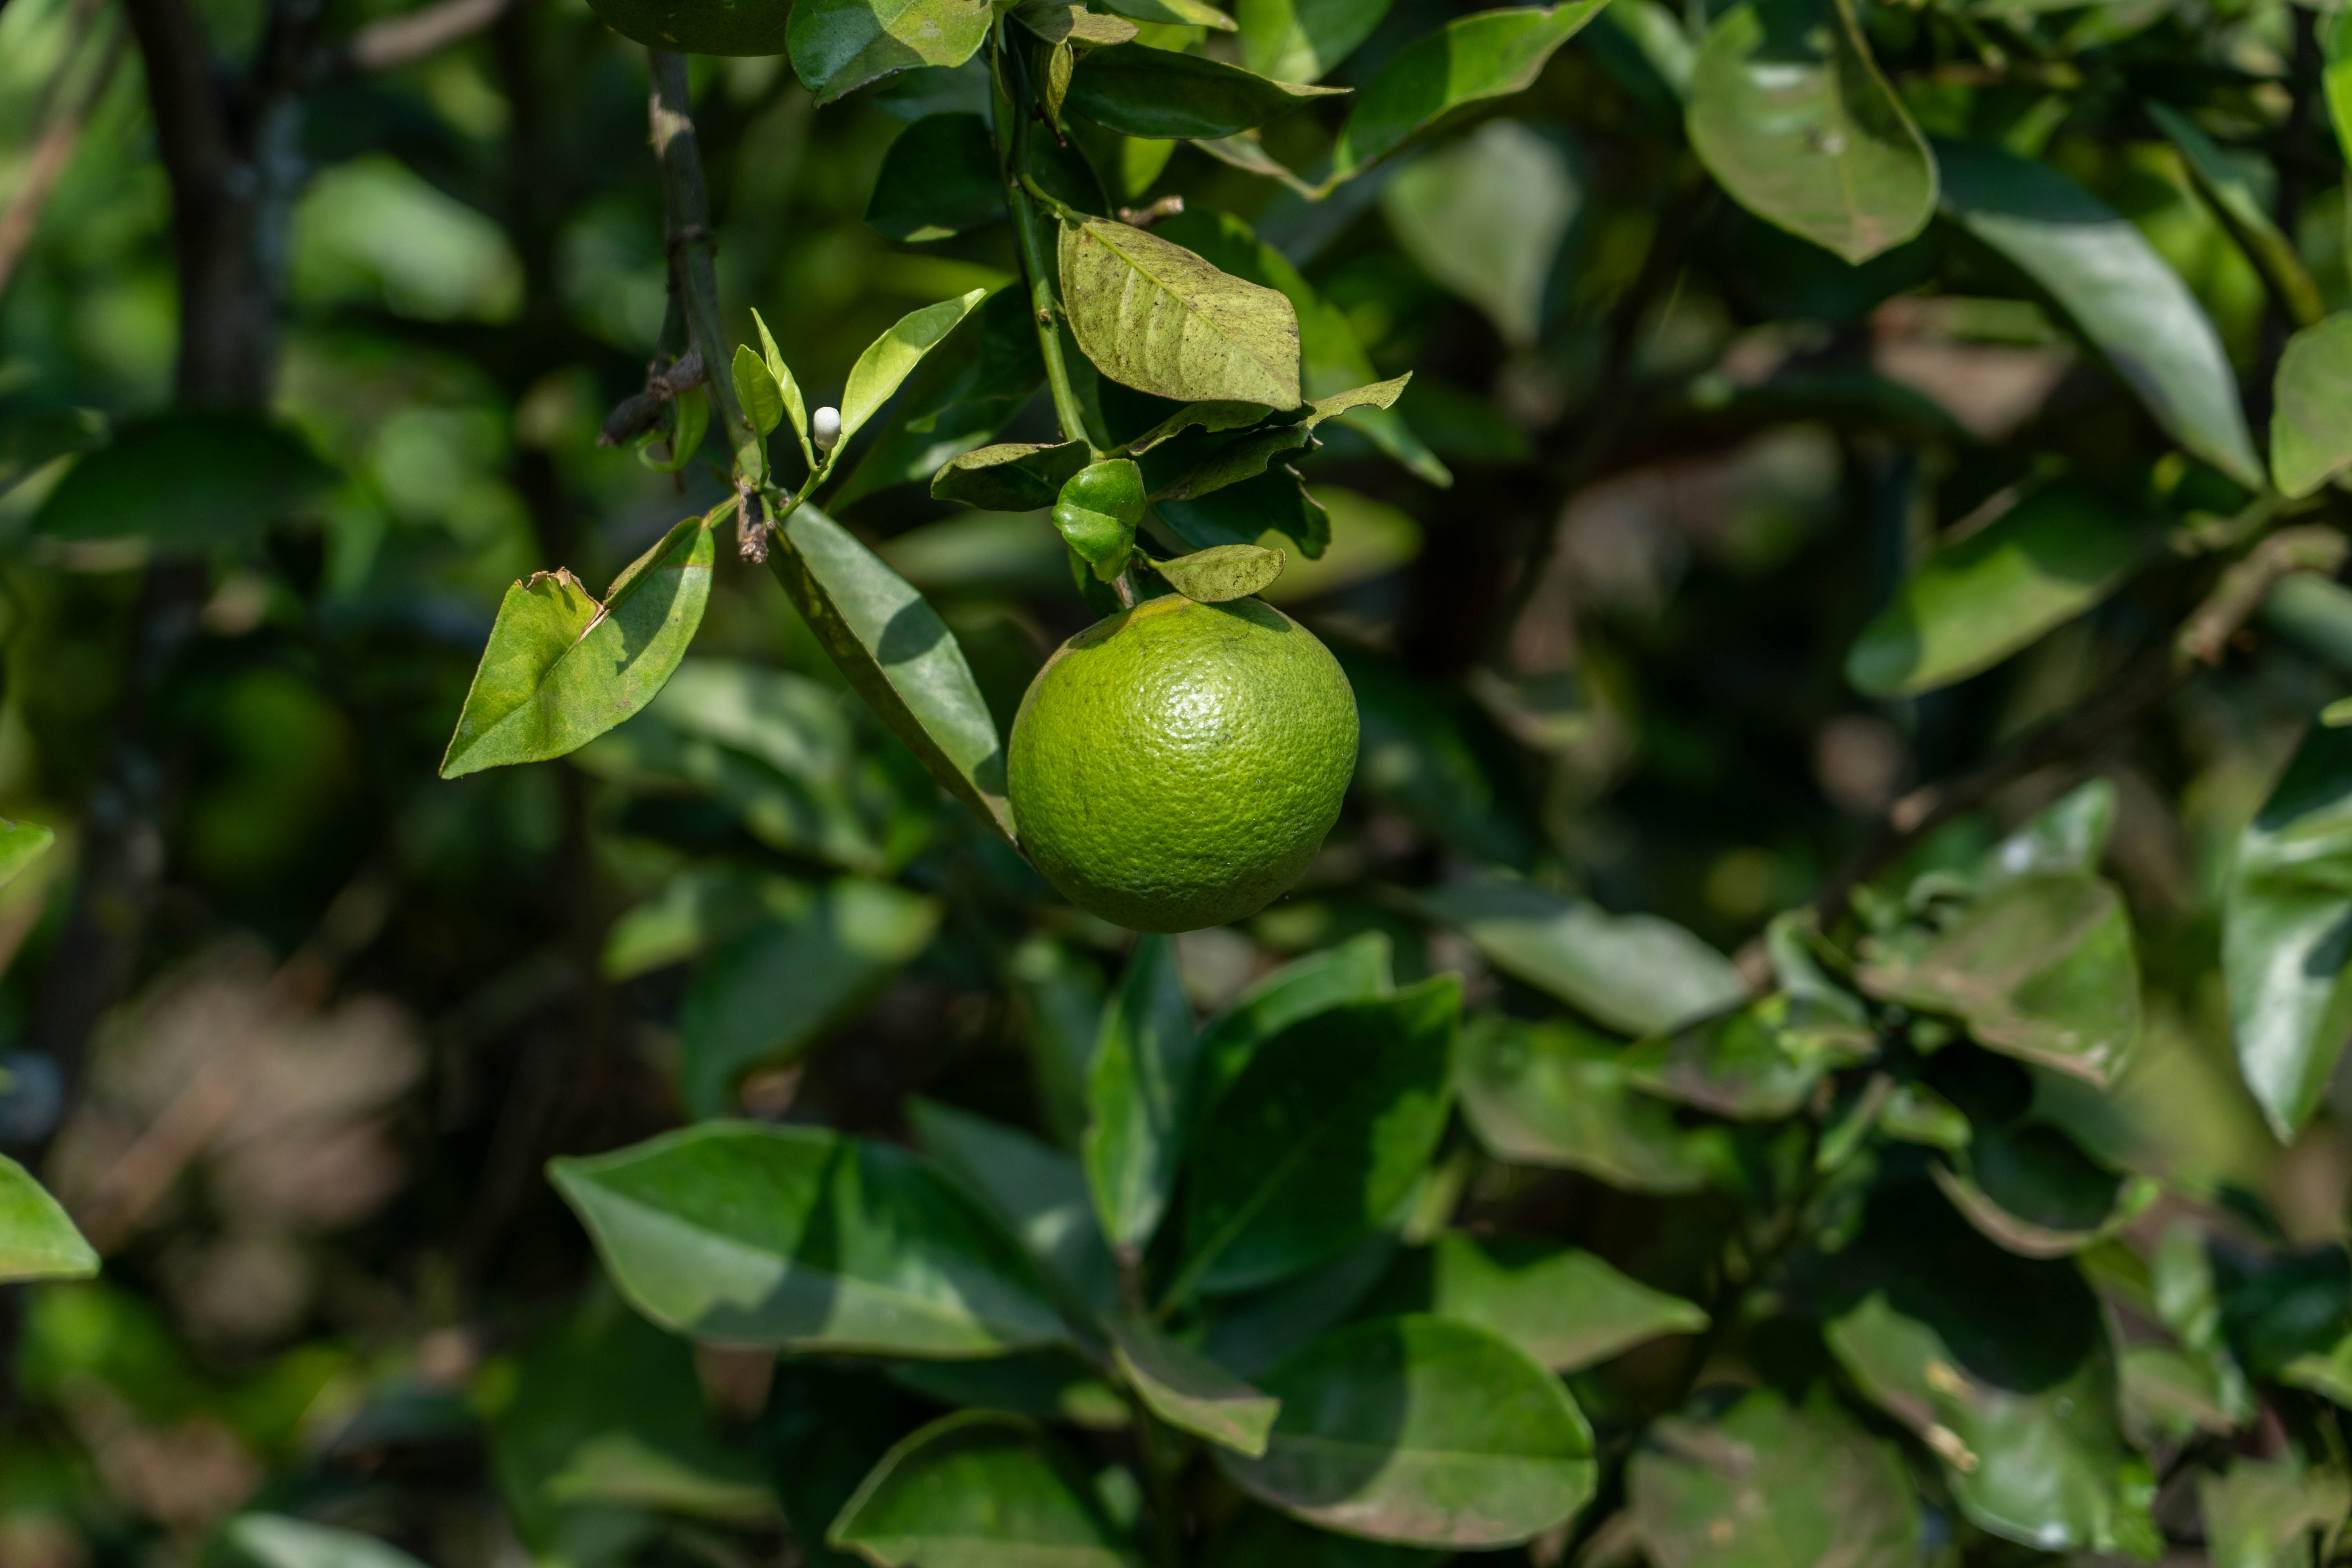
{"x":397,"y":41}
{"x":52,"y":154}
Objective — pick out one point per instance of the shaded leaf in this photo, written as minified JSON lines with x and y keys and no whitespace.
{"x":1564,"y":1307}
{"x":2230,"y":190}
{"x":887,"y":363}
{"x":1425,"y":1432}
{"x":31,"y":442}
{"x":801,"y":1238}
{"x":1255,"y":1333}
{"x":2118,"y":291}
{"x":1015,"y":476}
{"x":185,"y":482}
{"x":1189,"y":1391}
{"x":1300,"y":40}
{"x":1788,"y":110}
{"x":1486,"y":55}
{"x":1138,"y":1095}
{"x":1039,"y":1191}
{"x":1551,"y":1094}
{"x":980,"y":1489}
{"x":1223,"y":571}
{"x":939,"y":178}
{"x":1485,"y":217}
{"x":1973,"y":603}
{"x":1045,"y":1384}
{"x":1759,"y":1062}
{"x":2311,"y":433}
{"x":1276,"y":502}
{"x":561,"y":669}
{"x":1357,"y":970}
{"x":1062,"y":995}
{"x":1260,"y":1537}
{"x":1137,"y":90}
{"x":839,"y":46}
{"x":2033,"y":1190}
{"x":38,"y":1241}
{"x":1154,"y":316}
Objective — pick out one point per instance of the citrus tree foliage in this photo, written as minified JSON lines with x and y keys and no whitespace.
{"x":1819,"y":1037}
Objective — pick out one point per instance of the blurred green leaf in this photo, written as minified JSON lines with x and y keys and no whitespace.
{"x":1222,"y":571}
{"x":689,"y":421}
{"x":1138,"y":1096}
{"x":2287,"y":942}
{"x":2034,"y":1192}
{"x":1062,"y":995}
{"x":31,"y":442}
{"x":1357,"y":970}
{"x":839,"y":46}
{"x":2229,"y":188}
{"x":1551,"y":1094}
{"x":183,"y":481}
{"x":1039,"y":1191}
{"x":2117,"y":290}
{"x":1486,"y":217}
{"x":1562,"y":1306}
{"x":1635,"y":973}
{"x":1189,"y":1391}
{"x":2068,"y":835}
{"x":38,"y":1240}
{"x":1760,"y":1062}
{"x":1044,"y":1384}
{"x":2262,"y":1513}
{"x":695,"y":911}
{"x":700,"y":26}
{"x":1318,"y":1137}
{"x":1215,"y":337}
{"x":1766,"y":1484}
{"x":1255,"y":1333}
{"x":1973,"y":603}
{"x":801,"y":1238}
{"x":1137,"y":90}
{"x":274,"y":1540}
{"x":1176,"y":13}
{"x":1017,"y":476}
{"x":1791,"y":112}
{"x":773,"y":991}
{"x":1425,"y":1432}
{"x":939,"y":178}
{"x":1301,"y":40}
{"x":561,"y":669}
{"x":1486,"y":55}
{"x":2042,"y":968}
{"x":2311,"y":434}
{"x":21,"y":843}
{"x":979,"y":1491}
{"x":1260,"y":1537}
{"x":887,"y":363}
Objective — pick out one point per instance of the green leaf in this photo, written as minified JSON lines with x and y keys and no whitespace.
{"x":1260,"y":1537}
{"x":1154,"y":316}
{"x":978,"y":1489}
{"x":1789,"y":112}
{"x":274,"y":1540}
{"x":31,"y":442}
{"x":892,"y":357}
{"x":21,"y":843}
{"x":1063,"y":996}
{"x":689,"y":421}
{"x":756,"y":391}
{"x":1972,"y":603}
{"x":2230,"y":190}
{"x":1223,"y":571}
{"x":2003,"y":1366}
{"x":801,"y":1238}
{"x":1764,"y":1485}
{"x":898,"y":655}
{"x":2118,"y":291}
{"x":1566,"y":1308}
{"x":2068,"y":835}
{"x":1321,"y":1135}
{"x":2033,"y":1190}
{"x":1096,"y":511}
{"x":939,"y":178}
{"x":774,"y":990}
{"x":2286,"y":934}
{"x":38,"y":1241}
{"x":1425,"y":1432}
{"x":1138,"y":1096}
{"x":1047,"y":1385}
{"x":1015,"y":476}
{"x":700,"y":27}
{"x":1159,"y":94}
{"x":2311,"y":433}
{"x":1189,"y":1391}
{"x":1357,"y":970}
{"x":1276,"y":502}
{"x":1039,"y":1191}
{"x":1635,"y":973}
{"x":1301,"y":40}
{"x":2042,"y":968}
{"x":1172,"y":13}
{"x":795,"y":407}
{"x":2263,"y":1513}
{"x":186,"y":481}
{"x":839,"y":46}
{"x":695,"y":911}
{"x":561,"y":669}
{"x":1076,"y":25}
{"x":1551,"y":1094}
{"x":1760,"y":1062}
{"x":1485,"y":55}
{"x":1255,"y":1333}
{"x":1485,"y":217}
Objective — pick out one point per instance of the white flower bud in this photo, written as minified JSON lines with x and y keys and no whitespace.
{"x":825,"y":428}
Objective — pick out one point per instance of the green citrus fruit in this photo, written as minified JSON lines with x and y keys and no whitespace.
{"x":1176,"y":765}
{"x":700,"y":26}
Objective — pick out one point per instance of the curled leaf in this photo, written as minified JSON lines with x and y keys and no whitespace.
{"x":1222,"y":571}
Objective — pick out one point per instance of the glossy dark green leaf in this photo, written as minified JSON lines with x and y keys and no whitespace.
{"x":898,"y":655}
{"x":1635,"y":973}
{"x":1261,"y":1538}
{"x":980,"y":1489}
{"x":1096,"y":511}
{"x":2042,"y":968}
{"x":774,"y":990}
{"x":1486,"y":55}
{"x":1188,"y":1390}
{"x":1138,"y":1095}
{"x":1039,"y":1191}
{"x":21,"y":843}
{"x":1211,"y":338}
{"x":1222,"y":571}
{"x":31,"y":442}
{"x":1425,"y":1432}
{"x":1357,"y":970}
{"x":839,"y":46}
{"x":1015,"y":476}
{"x":1564,"y":1307}
{"x":2286,"y":945}
{"x":1551,"y":1094}
{"x":939,"y":178}
{"x":2263,"y":1513}
{"x":1301,"y":40}
{"x":38,"y":1241}
{"x":1759,"y":1062}
{"x":803,"y":1239}
{"x":1789,"y":112}
{"x":2003,"y":1366}
{"x":278,"y":1540}
{"x":1137,"y":90}
{"x":1972,"y":603}
{"x":1768,"y":1484}
{"x":1323,"y":1132}
{"x":2116,"y":290}
{"x":186,"y":481}
{"x":562,"y":669}
{"x":2033,"y":1191}
{"x":2311,"y":431}
{"x":887,"y":363}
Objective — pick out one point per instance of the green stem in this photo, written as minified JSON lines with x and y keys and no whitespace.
{"x":1037,"y":270}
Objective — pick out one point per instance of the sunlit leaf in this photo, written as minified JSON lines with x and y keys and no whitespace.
{"x":21,"y":843}
{"x":892,"y":357}
{"x":1137,"y":90}
{"x":1759,"y":1062}
{"x":1171,"y":12}
{"x":839,"y":46}
{"x":980,"y":1489}
{"x":1564,"y":1307}
{"x":38,"y":1241}
{"x":276,"y":1540}
{"x":1189,"y":1391}
{"x":1300,"y":40}
{"x":1357,"y":970}
{"x":1156,"y":317}
{"x":1486,"y":55}
{"x":1223,"y":571}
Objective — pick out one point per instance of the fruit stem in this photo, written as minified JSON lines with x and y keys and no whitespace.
{"x":1029,"y":227}
{"x":1124,"y":586}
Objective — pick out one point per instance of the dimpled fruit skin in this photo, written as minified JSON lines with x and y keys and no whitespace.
{"x":1176,"y":765}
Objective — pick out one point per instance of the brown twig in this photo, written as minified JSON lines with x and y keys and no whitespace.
{"x":637,"y":413}
{"x":1144,"y":217}
{"x":397,"y":41}
{"x":60,"y":134}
